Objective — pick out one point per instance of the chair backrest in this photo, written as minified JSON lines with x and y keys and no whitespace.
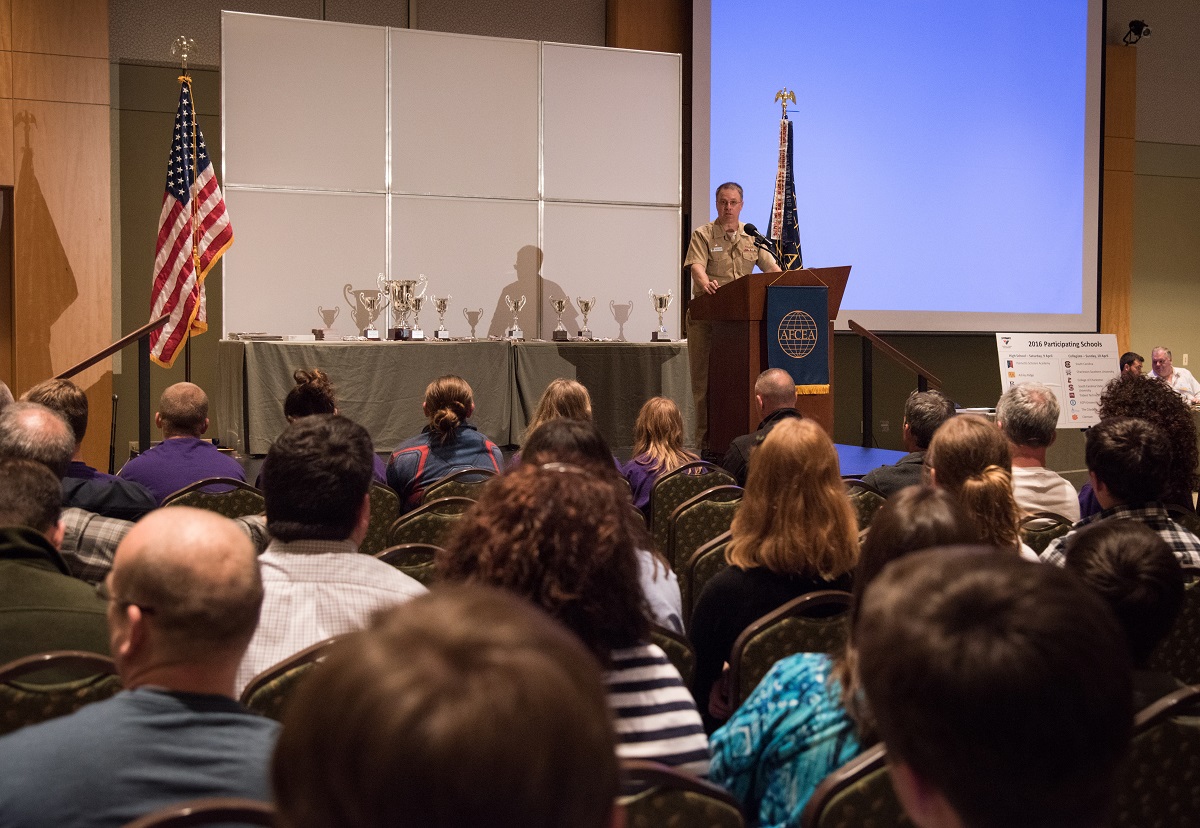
{"x":215,"y":811}
{"x":232,"y":498}
{"x":413,"y":559}
{"x":865,"y":499}
{"x":385,"y":508}
{"x":430,"y":522}
{"x":678,"y":649}
{"x":1157,"y":784}
{"x":857,"y":793}
{"x":1039,"y":528}
{"x":1179,"y":653}
{"x":812,"y":623}
{"x":48,"y":685}
{"x":672,"y":798}
{"x":700,"y":568}
{"x":462,"y":483}
{"x":268,"y":693}
{"x":673,"y":488}
{"x":698,"y":520}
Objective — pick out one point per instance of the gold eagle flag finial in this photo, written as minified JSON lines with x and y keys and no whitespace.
{"x":782,"y":97}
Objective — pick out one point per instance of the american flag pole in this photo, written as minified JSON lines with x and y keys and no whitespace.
{"x":186,"y":78}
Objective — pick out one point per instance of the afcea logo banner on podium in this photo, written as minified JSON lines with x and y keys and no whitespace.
{"x":798,"y":335}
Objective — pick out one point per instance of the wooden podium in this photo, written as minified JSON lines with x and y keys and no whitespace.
{"x":739,"y":349}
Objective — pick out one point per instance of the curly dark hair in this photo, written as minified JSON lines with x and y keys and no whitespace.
{"x":563,"y":538}
{"x":1152,"y":400}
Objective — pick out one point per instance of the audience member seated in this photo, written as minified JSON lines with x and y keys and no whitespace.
{"x":41,"y":606}
{"x":314,"y":394}
{"x":969,"y":458}
{"x":1001,"y":688}
{"x":924,"y":412}
{"x":463,"y":708}
{"x":316,"y":482}
{"x":1152,"y":401}
{"x":449,"y":443}
{"x":565,"y":539}
{"x":806,"y":717}
{"x":1128,"y":461}
{"x":1134,"y":571}
{"x":794,"y":533}
{"x":1132,"y":363}
{"x":1028,"y":416}
{"x":563,"y":399}
{"x":1179,"y":380}
{"x":657,"y":448}
{"x":83,"y":486}
{"x":581,"y":443}
{"x":183,"y":596}
{"x":183,"y":457}
{"x":775,"y":396}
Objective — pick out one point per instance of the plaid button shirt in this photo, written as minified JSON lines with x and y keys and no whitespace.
{"x":1183,"y":543}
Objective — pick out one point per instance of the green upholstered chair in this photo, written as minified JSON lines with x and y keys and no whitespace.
{"x":678,"y":649}
{"x":857,"y":795}
{"x":215,"y":811}
{"x":413,"y":559}
{"x":462,"y":483}
{"x":673,"y":799}
{"x":698,"y":520}
{"x":223,"y":495}
{"x":673,"y":488}
{"x":45,"y":686}
{"x":700,"y":568}
{"x":267,"y":693}
{"x":385,"y":508}
{"x":1039,"y":528}
{"x":1159,"y":784}
{"x":1179,"y":652}
{"x":429,"y":523}
{"x":812,"y":623}
{"x":865,"y":498}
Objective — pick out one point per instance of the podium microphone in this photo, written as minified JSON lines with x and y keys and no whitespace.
{"x":762,"y":241}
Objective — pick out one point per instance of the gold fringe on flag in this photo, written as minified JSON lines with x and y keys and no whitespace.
{"x":811,"y":389}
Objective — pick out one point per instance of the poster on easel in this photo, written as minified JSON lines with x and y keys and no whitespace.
{"x":1076,"y":367}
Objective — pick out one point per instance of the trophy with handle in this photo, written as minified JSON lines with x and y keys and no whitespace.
{"x":372,"y":301}
{"x":386,"y":287}
{"x":415,"y":303}
{"x":661,"y":302}
{"x":440,"y":306}
{"x":585,"y":307}
{"x":559,"y":303}
{"x":515,"y":308}
{"x":472,"y":317}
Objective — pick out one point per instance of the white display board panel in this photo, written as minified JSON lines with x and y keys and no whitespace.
{"x":464,"y":115}
{"x":616,"y":254}
{"x":476,"y":250}
{"x":295,"y":251}
{"x":1076,"y":367}
{"x":611,"y":125}
{"x":304,"y":103}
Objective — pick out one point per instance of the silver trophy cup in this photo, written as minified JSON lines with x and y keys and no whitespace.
{"x":440,"y":306}
{"x":661,"y":302}
{"x":515,"y":308}
{"x":415,"y":303}
{"x":585,"y":307}
{"x":559,"y":303}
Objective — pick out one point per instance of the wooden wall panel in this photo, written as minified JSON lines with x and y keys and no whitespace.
{"x":1116,"y":224}
{"x":5,"y":25}
{"x":8,"y":175}
{"x":59,"y":78}
{"x":60,"y":27}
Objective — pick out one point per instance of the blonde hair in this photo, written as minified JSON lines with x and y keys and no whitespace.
{"x":448,"y":403}
{"x":563,"y":398}
{"x":796,"y":517}
{"x":658,"y":434}
{"x":971,"y":459}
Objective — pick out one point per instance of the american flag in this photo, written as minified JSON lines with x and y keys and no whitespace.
{"x":785,"y":224}
{"x":193,"y":232}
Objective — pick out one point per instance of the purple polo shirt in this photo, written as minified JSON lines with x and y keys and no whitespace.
{"x":178,"y":462}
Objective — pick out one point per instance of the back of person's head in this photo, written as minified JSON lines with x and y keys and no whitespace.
{"x":315,"y":478}
{"x":924,"y":412}
{"x":795,"y":517}
{"x":971,"y":459}
{"x":1131,"y":457}
{"x":312,"y":394}
{"x":1143,"y":397}
{"x":658,"y":434}
{"x":194,"y":576}
{"x":567,"y":441}
{"x":776,"y":388}
{"x":563,"y":398}
{"x":66,"y":398}
{"x":183,"y":409}
{"x":1129,"y":358}
{"x":564,"y":538}
{"x":464,"y":707}
{"x":31,"y":431}
{"x":1002,"y":685}
{"x":448,"y":403}
{"x":1028,"y":414}
{"x":30,"y":495}
{"x":6,"y":396}
{"x":1135,"y":571}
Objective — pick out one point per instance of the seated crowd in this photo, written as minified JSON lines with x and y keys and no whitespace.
{"x":544,"y":652}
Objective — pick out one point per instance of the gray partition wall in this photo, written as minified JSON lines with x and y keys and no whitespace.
{"x":492,"y":167}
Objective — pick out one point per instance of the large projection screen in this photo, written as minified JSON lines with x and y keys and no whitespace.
{"x":948,"y":151}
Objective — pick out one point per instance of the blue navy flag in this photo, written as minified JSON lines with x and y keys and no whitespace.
{"x":785,"y":226}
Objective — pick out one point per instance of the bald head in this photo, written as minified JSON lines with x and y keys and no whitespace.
{"x":183,"y":410}
{"x":775,"y":389}
{"x":29,"y":431}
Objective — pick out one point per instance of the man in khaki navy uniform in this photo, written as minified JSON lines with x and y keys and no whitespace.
{"x":718,"y":253}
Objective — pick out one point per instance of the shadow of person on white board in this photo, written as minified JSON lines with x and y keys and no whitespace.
{"x":537,"y":291}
